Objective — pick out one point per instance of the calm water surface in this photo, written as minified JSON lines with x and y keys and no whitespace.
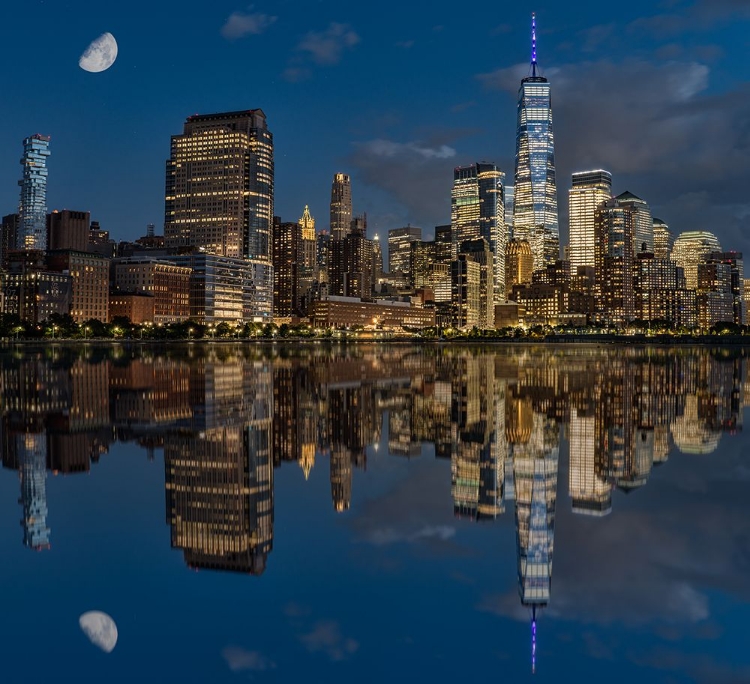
{"x":375,"y":514}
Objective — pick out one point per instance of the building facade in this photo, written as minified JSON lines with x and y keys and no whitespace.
{"x":478,"y":212}
{"x":341,"y":206}
{"x":228,"y":290}
{"x":535,"y":195}
{"x":220,"y":185}
{"x":68,"y":230}
{"x":690,"y":249}
{"x":32,"y":207}
{"x":89,"y":274}
{"x":590,"y":189}
{"x":165,"y":281}
{"x":399,"y":249}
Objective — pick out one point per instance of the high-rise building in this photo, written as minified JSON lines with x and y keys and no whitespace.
{"x":68,"y":230}
{"x":479,"y":251}
{"x":590,"y":189}
{"x":478,"y":211}
{"x":737,"y":284}
{"x":399,"y":248}
{"x":165,"y":282}
{"x":322,"y":246}
{"x":643,"y":234}
{"x":661,"y":294}
{"x":9,"y":230}
{"x":307,"y":260}
{"x":341,"y":206}
{"x":663,"y":240}
{"x":519,"y":264}
{"x":350,"y":265}
{"x":466,"y":291}
{"x":443,"y":244}
{"x":219,"y":187}
{"x":690,"y":248}
{"x":613,"y":262}
{"x":287,"y":239}
{"x":535,"y":199}
{"x":32,"y":208}
{"x":89,"y":274}
{"x":715,"y":301}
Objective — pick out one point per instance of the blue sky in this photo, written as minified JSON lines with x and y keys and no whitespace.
{"x":389,"y":92}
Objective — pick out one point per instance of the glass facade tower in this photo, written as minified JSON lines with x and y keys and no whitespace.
{"x":478,"y":211}
{"x":32,"y":208}
{"x":590,"y":190}
{"x":219,"y":185}
{"x":535,"y":199}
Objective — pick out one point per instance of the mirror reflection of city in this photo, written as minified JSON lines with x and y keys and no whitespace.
{"x":225,"y":417}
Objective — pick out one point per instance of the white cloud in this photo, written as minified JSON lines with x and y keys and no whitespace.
{"x":240,"y":24}
{"x":326,"y":637}
{"x":241,"y":660}
{"x":326,"y":47}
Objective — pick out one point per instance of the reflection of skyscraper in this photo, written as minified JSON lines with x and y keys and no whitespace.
{"x":535,"y":200}
{"x":32,"y":454}
{"x":535,"y":475}
{"x":341,"y":478}
{"x":219,"y":479}
{"x":590,"y":494}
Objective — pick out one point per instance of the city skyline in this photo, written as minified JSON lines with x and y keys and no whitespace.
{"x":401,"y":165}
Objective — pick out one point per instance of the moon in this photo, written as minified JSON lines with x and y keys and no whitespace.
{"x":100,"y":55}
{"x":100,"y":628}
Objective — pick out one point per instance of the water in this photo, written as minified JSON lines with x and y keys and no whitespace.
{"x":375,"y":513}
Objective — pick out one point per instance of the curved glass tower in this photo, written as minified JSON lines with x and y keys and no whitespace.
{"x":535,"y":201}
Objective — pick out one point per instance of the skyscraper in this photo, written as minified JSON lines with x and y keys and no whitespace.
{"x":663,"y":240}
{"x":590,"y":189}
{"x":219,"y":185}
{"x":341,"y":206}
{"x":613,"y":259}
{"x":478,"y":211}
{"x":32,"y":208}
{"x":644,"y":225}
{"x":535,"y":199}
{"x":399,"y":248}
{"x":690,"y":248}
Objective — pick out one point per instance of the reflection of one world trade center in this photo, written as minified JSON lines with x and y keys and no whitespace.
{"x":535,"y":440}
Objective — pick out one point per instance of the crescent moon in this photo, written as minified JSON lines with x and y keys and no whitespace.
{"x":100,"y":628}
{"x":100,"y":55}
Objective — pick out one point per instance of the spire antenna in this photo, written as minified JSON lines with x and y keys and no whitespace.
{"x":533,"y":640}
{"x":533,"y":44}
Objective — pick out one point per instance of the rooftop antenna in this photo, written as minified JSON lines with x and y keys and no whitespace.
{"x":533,"y":44}
{"x":533,"y":640}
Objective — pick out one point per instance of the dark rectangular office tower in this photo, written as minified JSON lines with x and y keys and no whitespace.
{"x":219,"y":186}
{"x":68,"y":230}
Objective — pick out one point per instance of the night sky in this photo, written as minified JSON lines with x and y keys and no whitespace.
{"x":395,"y":94}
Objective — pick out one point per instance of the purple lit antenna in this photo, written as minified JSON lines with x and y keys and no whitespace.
{"x":533,"y":640}
{"x":533,"y":43}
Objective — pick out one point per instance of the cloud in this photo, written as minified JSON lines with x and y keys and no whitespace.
{"x":326,"y":47}
{"x":406,"y":44}
{"x":417,"y":174}
{"x":241,"y":660}
{"x":390,"y":535}
{"x":661,"y":130}
{"x":326,"y":637}
{"x":240,"y":24}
